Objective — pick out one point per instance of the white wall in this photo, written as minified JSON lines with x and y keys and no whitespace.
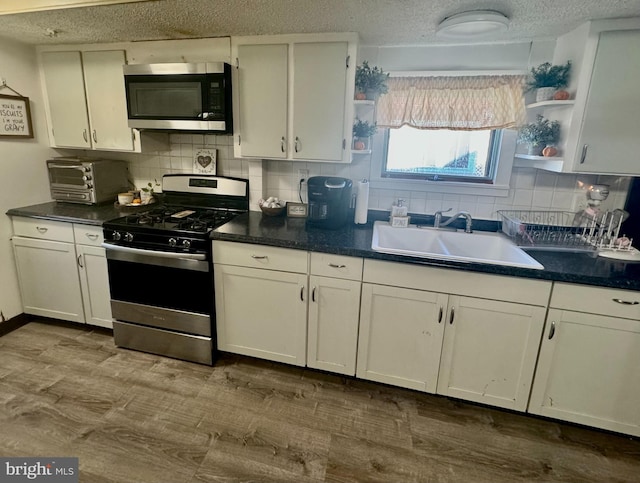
{"x":23,"y":174}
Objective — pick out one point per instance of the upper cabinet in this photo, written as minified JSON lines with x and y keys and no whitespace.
{"x":293,"y":96}
{"x":600,"y":131}
{"x":86,"y":100}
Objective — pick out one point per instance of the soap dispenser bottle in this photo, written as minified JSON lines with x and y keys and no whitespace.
{"x":399,"y":214}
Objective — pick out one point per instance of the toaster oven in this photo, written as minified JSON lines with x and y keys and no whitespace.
{"x":87,"y":181}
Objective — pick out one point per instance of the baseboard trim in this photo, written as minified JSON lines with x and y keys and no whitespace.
{"x":13,"y":323}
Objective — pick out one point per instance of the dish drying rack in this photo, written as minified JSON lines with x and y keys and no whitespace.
{"x":566,"y":230}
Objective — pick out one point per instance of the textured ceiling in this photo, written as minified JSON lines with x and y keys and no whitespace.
{"x":378,"y":22}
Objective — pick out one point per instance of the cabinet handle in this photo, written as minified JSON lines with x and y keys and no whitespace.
{"x":282,"y":143}
{"x":440,"y":315}
{"x":95,"y":136}
{"x":453,"y":312}
{"x":337,"y":266}
{"x":584,"y":153}
{"x":313,"y":294}
{"x":84,"y":135}
{"x":302,"y":293}
{"x":92,"y":236}
{"x":552,"y":330}
{"x":626,"y":302}
{"x":297,"y":144}
{"x":80,"y":261}
{"x":259,"y":257}
{"x":42,"y":229}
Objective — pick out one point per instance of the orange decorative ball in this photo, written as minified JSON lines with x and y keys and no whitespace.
{"x":549,"y":151}
{"x":358,"y":145}
{"x":561,"y":96}
{"x":360,"y":96}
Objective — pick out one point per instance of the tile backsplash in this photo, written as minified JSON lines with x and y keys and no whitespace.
{"x":530,"y":189}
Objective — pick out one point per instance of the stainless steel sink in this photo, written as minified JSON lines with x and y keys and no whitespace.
{"x":478,"y":247}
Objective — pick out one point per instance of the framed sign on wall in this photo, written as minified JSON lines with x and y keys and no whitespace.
{"x":15,"y":117}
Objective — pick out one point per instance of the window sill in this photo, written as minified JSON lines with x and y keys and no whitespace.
{"x":441,"y":187}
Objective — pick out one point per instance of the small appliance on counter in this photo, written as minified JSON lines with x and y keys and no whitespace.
{"x":86,"y":181}
{"x":329,"y":201}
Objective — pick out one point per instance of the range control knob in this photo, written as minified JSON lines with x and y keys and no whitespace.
{"x":86,"y":178}
{"x":186,"y":244}
{"x":116,"y":235}
{"x":173,"y":242}
{"x":89,"y":186}
{"x":128,"y":237}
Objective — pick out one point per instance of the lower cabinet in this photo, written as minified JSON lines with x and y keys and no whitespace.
{"x":62,"y":270}
{"x":261,"y":313}
{"x":48,"y":277}
{"x":400,"y":336}
{"x":589,"y":364}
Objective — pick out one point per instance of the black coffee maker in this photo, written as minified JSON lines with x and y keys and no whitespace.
{"x":329,"y":201}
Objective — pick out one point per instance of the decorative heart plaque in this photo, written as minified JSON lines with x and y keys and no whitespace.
{"x":204,"y":161}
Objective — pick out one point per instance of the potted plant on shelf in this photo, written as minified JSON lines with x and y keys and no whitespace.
{"x":362,"y":131}
{"x":370,"y":82}
{"x":540,"y":135}
{"x":147,"y":192}
{"x":547,"y":79}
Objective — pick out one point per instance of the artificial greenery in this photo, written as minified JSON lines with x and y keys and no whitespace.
{"x":540,"y":132}
{"x":150,"y":186}
{"x":362,"y":129}
{"x":371,"y":79}
{"x":547,"y":75}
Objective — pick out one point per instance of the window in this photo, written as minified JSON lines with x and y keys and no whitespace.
{"x":441,"y":154}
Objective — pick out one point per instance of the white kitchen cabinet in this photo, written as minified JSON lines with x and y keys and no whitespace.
{"x":589,"y":365}
{"x":443,"y":330}
{"x":62,"y":270}
{"x":489,"y":351}
{"x":94,"y":276}
{"x":261,"y":301}
{"x":293,"y":96}
{"x":86,"y":100}
{"x":48,"y":277}
{"x":599,"y":134}
{"x":400,"y":336}
{"x":334,"y":312}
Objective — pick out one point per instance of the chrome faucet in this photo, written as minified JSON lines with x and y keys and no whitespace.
{"x":437,"y":222}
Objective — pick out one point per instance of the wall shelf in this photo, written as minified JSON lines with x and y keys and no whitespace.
{"x":364,"y":103}
{"x":548,"y":163}
{"x":550,"y":104}
{"x":360,"y":151}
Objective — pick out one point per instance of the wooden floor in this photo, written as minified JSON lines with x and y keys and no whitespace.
{"x":134,"y":417}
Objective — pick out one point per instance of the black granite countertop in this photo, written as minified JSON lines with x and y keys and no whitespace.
{"x":354,"y":240}
{"x":71,"y":212}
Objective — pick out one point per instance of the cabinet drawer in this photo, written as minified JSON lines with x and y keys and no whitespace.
{"x":44,"y":229}
{"x":88,"y":235}
{"x":260,"y":256}
{"x":336,"y":266}
{"x":596,"y":300}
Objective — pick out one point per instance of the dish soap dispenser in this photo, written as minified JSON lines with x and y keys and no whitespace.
{"x":399,"y":214}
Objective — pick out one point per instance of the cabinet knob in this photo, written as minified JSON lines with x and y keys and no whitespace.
{"x":92,"y":236}
{"x":626,"y":302}
{"x":95,"y":136}
{"x":282,"y":144}
{"x":296,"y":145}
{"x":313,"y":294}
{"x":440,"y":315}
{"x":584,"y":153}
{"x":451,"y":317}
{"x":334,"y":265}
{"x":42,"y":229}
{"x":552,"y":330}
{"x":80,"y":261}
{"x":84,"y":135}
{"x":302,"y":293}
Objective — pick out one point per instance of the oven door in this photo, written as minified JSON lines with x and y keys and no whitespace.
{"x":67,"y":176}
{"x":162,"y":302}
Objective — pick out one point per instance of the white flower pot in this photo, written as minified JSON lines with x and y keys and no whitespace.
{"x":545,"y":93}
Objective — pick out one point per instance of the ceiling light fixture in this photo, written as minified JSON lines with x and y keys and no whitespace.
{"x":472,"y":24}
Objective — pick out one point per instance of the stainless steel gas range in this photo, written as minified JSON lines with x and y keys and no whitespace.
{"x":160,"y":268}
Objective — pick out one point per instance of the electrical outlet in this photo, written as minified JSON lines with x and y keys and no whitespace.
{"x":303,"y":174}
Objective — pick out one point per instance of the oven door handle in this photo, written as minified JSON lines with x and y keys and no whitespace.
{"x":63,"y":166}
{"x":153,"y":253}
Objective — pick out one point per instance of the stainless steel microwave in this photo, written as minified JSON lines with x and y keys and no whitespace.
{"x":180,"y":96}
{"x":87,"y":181}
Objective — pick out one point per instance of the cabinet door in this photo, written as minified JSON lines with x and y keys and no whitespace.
{"x":489,"y":351}
{"x":320,"y":75}
{"x":334,"y":310}
{"x":64,"y":82}
{"x":400,"y":336}
{"x":94,"y":282}
{"x":262,"y":87}
{"x":609,"y":137}
{"x":589,"y":371}
{"x":261,"y":313}
{"x":48,"y":276}
{"x":106,"y":100}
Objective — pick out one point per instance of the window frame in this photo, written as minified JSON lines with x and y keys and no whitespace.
{"x":493,"y":155}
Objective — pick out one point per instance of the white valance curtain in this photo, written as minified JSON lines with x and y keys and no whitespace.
{"x":463,"y":103}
